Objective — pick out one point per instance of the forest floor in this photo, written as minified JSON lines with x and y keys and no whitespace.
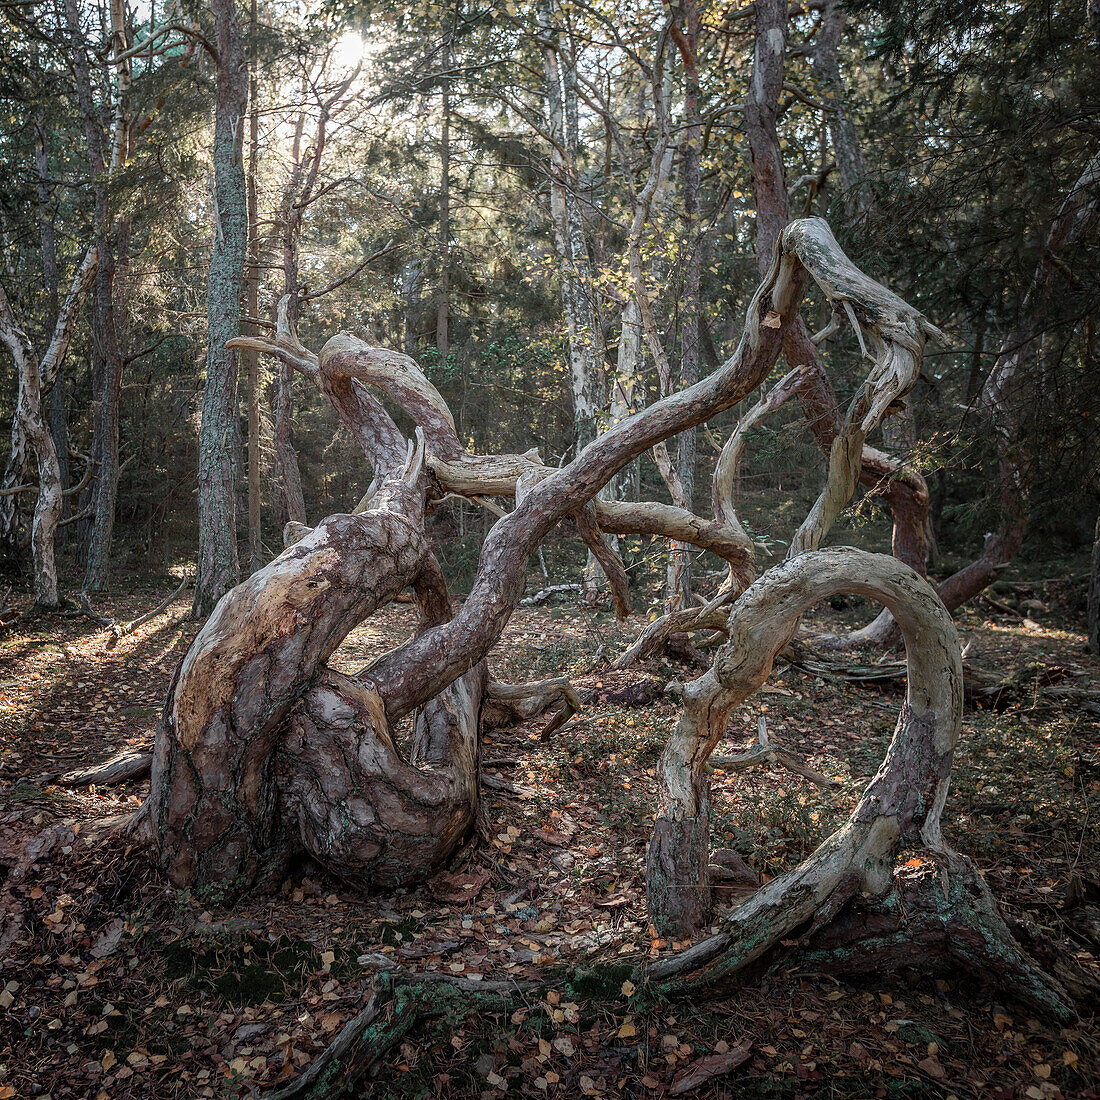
{"x":116,"y":985}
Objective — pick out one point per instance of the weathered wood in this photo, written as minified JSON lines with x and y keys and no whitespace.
{"x":906,"y":798}
{"x":264,"y":752}
{"x":120,"y":768}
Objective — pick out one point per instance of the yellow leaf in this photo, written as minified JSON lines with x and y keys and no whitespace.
{"x":628,"y":988}
{"x":626,"y":1031}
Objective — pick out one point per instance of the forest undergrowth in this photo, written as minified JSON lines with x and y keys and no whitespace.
{"x":115,"y":985}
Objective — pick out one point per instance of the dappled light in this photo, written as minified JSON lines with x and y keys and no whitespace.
{"x":549,"y":549}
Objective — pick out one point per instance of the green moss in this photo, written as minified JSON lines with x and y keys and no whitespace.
{"x":242,"y":970}
{"x":601,"y":983}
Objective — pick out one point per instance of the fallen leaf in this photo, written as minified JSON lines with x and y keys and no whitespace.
{"x":613,"y":901}
{"x":559,"y":840}
{"x":932,"y":1067}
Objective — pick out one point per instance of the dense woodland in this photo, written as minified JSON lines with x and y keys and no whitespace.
{"x":478,"y":472}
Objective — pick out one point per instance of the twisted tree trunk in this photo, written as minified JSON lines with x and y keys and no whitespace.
{"x":264,"y":752}
{"x":217,"y":800}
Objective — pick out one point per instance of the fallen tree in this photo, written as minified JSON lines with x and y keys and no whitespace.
{"x":264,"y":752}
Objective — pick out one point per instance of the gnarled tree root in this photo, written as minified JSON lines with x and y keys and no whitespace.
{"x":938,"y":917}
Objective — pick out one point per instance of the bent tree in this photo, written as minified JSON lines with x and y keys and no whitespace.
{"x":265,"y":753}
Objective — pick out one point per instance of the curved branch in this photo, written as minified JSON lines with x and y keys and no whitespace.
{"x":807,"y":248}
{"x":901,"y":807}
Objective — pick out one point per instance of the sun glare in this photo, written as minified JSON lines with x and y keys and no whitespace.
{"x":351,"y":50}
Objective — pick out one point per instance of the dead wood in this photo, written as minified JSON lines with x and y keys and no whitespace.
{"x":120,"y":768}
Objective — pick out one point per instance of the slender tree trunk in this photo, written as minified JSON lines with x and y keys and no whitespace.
{"x":290,"y":500}
{"x":106,"y":354}
{"x":108,"y":360}
{"x":626,"y":396}
{"x":33,"y":428}
{"x":578,"y":303}
{"x":1093,"y":641}
{"x":858,"y":199}
{"x":218,"y":566}
{"x":35,"y":376}
{"x":59,"y":427}
{"x":252,"y":357}
{"x":443,"y":300}
{"x":678,"y":581}
{"x":582,"y":325}
{"x":412,"y":283}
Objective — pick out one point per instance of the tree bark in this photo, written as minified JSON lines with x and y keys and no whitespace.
{"x":252,"y":358}
{"x":218,"y":567}
{"x":1093,"y":639}
{"x":35,"y":377}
